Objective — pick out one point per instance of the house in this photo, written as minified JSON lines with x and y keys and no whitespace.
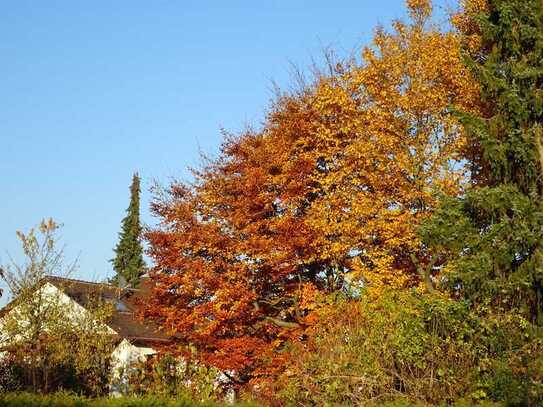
{"x":134,"y":339}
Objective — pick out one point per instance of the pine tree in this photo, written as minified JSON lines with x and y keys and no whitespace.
{"x":128,"y":262}
{"x":493,"y":235}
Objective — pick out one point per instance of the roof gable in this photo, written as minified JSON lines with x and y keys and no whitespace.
{"x":124,"y":321}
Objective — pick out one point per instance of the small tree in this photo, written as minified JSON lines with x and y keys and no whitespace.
{"x":128,"y":262}
{"x":34,"y":312}
{"x":41,"y":327}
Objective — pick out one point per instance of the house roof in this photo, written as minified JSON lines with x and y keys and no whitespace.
{"x":125,"y":301}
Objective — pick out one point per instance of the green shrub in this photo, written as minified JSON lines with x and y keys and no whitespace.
{"x":166,"y":375}
{"x":517,"y":377}
{"x":70,"y":400}
{"x":419,"y":348}
{"x":11,"y":375}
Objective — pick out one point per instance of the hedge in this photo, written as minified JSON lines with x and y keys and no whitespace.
{"x":70,"y":400}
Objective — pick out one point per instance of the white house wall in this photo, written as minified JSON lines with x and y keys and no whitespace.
{"x":124,"y":357}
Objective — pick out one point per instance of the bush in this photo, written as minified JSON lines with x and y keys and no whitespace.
{"x":69,"y":400}
{"x":419,"y":348}
{"x":11,"y":375}
{"x":166,"y":375}
{"x":517,"y":378}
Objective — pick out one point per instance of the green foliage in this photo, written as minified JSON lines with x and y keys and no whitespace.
{"x":402,"y":402}
{"x":11,"y":375}
{"x":40,"y":330}
{"x":69,"y":400}
{"x":492,"y":235}
{"x":128,"y":262}
{"x":424,"y":349}
{"x":47,"y":362}
{"x":169,"y":376}
{"x":510,"y":71}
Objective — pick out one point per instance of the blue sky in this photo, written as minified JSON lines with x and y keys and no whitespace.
{"x":92,"y":91}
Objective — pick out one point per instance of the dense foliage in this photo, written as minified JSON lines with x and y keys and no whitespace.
{"x":326,"y":197}
{"x":69,"y":400}
{"x":168,"y":375}
{"x":492,"y":234}
{"x":423,"y":348}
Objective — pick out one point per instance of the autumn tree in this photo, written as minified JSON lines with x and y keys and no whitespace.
{"x":324,"y":198}
{"x":493,"y":233}
{"x":128,"y":262}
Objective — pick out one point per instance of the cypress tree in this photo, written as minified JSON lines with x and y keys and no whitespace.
{"x":128,"y":262}
{"x":493,"y":234}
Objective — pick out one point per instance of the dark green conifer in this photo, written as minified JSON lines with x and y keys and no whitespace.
{"x":493,"y":235}
{"x":128,"y":262}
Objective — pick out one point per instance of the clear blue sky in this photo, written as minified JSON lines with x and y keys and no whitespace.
{"x":91,"y":91}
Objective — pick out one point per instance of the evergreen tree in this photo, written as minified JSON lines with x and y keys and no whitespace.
{"x":493,"y":235}
{"x":128,"y":262}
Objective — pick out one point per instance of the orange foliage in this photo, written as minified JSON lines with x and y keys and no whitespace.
{"x":465,"y":22}
{"x":326,"y":196}
{"x":390,"y":145}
